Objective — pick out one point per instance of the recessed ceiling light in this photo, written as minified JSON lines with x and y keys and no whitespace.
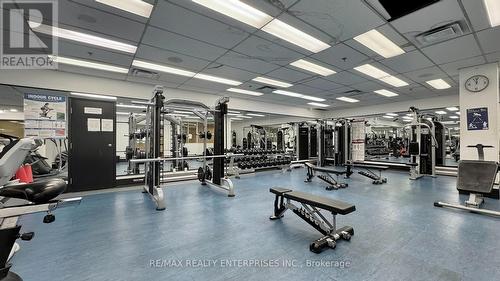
{"x":272,"y":82}
{"x":381,"y":75}
{"x":238,"y":11}
{"x":162,"y":68}
{"x":217,"y":79}
{"x":386,"y":93}
{"x":131,"y":106}
{"x":13,"y":110}
{"x":287,"y":93}
{"x":306,"y":97}
{"x":256,"y":115}
{"x":233,"y":114}
{"x":380,"y":44}
{"x":454,"y":117}
{"x":346,"y":99}
{"x":93,"y":96}
{"x":88,"y":64}
{"x":312,"y":67}
{"x":137,"y":7}
{"x":1,"y":111}
{"x":295,"y":36}
{"x":493,"y":10}
{"x":439,"y":84}
{"x":243,"y":116}
{"x":318,"y":104}
{"x":407,"y":120}
{"x":391,"y":114}
{"x":457,"y":113}
{"x":453,"y":108}
{"x":83,"y":37}
{"x":122,"y":113}
{"x":237,"y":119}
{"x":245,"y":92}
{"x":441,"y":112}
{"x":388,"y":117}
{"x":233,"y":111}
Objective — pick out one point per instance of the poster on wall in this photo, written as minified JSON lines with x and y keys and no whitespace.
{"x":44,"y":115}
{"x":477,"y":119}
{"x":358,"y":129}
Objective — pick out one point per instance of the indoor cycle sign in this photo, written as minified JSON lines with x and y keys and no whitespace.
{"x":44,"y":116}
{"x":477,"y":119}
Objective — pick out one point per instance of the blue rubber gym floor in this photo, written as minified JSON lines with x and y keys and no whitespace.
{"x":399,"y":235}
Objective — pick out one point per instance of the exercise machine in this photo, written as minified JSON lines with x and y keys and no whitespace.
{"x":326,"y":176}
{"x":40,"y":196}
{"x":310,"y":211}
{"x":476,"y":177}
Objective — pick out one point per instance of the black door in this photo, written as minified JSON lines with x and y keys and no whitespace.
{"x":92,"y":142}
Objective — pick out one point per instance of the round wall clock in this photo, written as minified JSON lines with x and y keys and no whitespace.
{"x":477,"y":83}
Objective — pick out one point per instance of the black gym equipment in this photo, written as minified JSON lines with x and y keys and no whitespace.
{"x":310,"y":212}
{"x":303,"y":151}
{"x":326,"y":176}
{"x":476,"y":177}
{"x":367,"y":171}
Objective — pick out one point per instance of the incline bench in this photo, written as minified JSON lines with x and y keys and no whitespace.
{"x":326,"y":176}
{"x":310,"y":212}
{"x":377,"y":178}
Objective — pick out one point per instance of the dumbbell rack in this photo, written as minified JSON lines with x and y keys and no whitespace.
{"x":255,"y":160}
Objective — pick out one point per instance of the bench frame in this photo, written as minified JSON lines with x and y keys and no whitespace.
{"x":313,"y":216}
{"x":326,"y":176}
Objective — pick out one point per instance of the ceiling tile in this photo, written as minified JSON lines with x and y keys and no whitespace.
{"x":368,"y":86}
{"x":493,"y":57}
{"x":407,"y":62}
{"x":453,"y":50}
{"x":477,"y":14}
{"x":288,"y":75}
{"x":346,"y":78}
{"x":245,"y":62}
{"x":84,"y":52}
{"x":303,"y":89}
{"x":170,"y":41}
{"x":182,"y":21}
{"x":426,"y":74}
{"x":112,"y":10}
{"x":151,"y":81}
{"x":91,"y":72}
{"x":228,"y":72}
{"x":170,"y":58}
{"x":341,"y":56}
{"x":490,"y":40}
{"x":81,"y":18}
{"x":323,"y":84}
{"x":335,"y":17}
{"x":261,"y":49}
{"x":453,"y":67}
{"x":211,"y":86}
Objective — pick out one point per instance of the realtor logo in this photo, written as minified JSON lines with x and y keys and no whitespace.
{"x":22,"y":46}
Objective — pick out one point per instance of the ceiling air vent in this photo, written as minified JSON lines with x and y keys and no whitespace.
{"x":440,"y":34}
{"x":137,"y":72}
{"x":266,"y":88}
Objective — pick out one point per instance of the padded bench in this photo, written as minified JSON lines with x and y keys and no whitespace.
{"x":326,"y":176}
{"x":367,"y":171}
{"x":310,"y":211}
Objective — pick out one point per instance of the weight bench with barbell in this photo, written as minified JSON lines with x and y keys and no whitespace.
{"x":310,"y":212}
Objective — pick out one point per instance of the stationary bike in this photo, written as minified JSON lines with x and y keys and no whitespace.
{"x":40,"y":197}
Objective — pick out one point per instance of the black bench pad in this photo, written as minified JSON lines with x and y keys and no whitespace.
{"x":325,"y":170}
{"x":368,"y":166}
{"x":328,"y":204}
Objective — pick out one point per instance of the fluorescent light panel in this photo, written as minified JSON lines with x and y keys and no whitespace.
{"x":93,"y":96}
{"x":312,"y":67}
{"x":380,"y":44}
{"x":272,"y":82}
{"x":238,"y":11}
{"x":233,"y":111}
{"x":438,"y":84}
{"x":306,"y":97}
{"x":83,"y":37}
{"x":386,"y":93}
{"x":493,"y":10}
{"x":13,"y":110}
{"x":137,"y":7}
{"x":381,"y":75}
{"x":454,"y":117}
{"x":297,"y":95}
{"x":441,"y":112}
{"x":245,"y":92}
{"x":318,"y":104}
{"x":391,"y":114}
{"x":162,"y":68}
{"x":243,"y":116}
{"x":388,"y":117}
{"x":237,"y":119}
{"x":346,"y":99}
{"x":88,"y":64}
{"x":256,"y":115}
{"x":295,"y":36}
{"x":453,"y":108}
{"x":217,"y":79}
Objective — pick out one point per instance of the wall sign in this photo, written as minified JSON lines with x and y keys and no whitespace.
{"x":92,"y":110}
{"x":45,"y":116}
{"x":477,"y":119}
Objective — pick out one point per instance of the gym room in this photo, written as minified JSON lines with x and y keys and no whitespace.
{"x":249,"y":140}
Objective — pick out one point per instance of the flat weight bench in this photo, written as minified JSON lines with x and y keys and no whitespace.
{"x":310,"y":212}
{"x":369,"y":173}
{"x":326,"y":176}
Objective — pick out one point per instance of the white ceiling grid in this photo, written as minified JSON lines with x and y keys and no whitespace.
{"x":183,"y":34}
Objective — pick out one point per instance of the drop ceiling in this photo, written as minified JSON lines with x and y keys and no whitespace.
{"x":183,"y":34}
